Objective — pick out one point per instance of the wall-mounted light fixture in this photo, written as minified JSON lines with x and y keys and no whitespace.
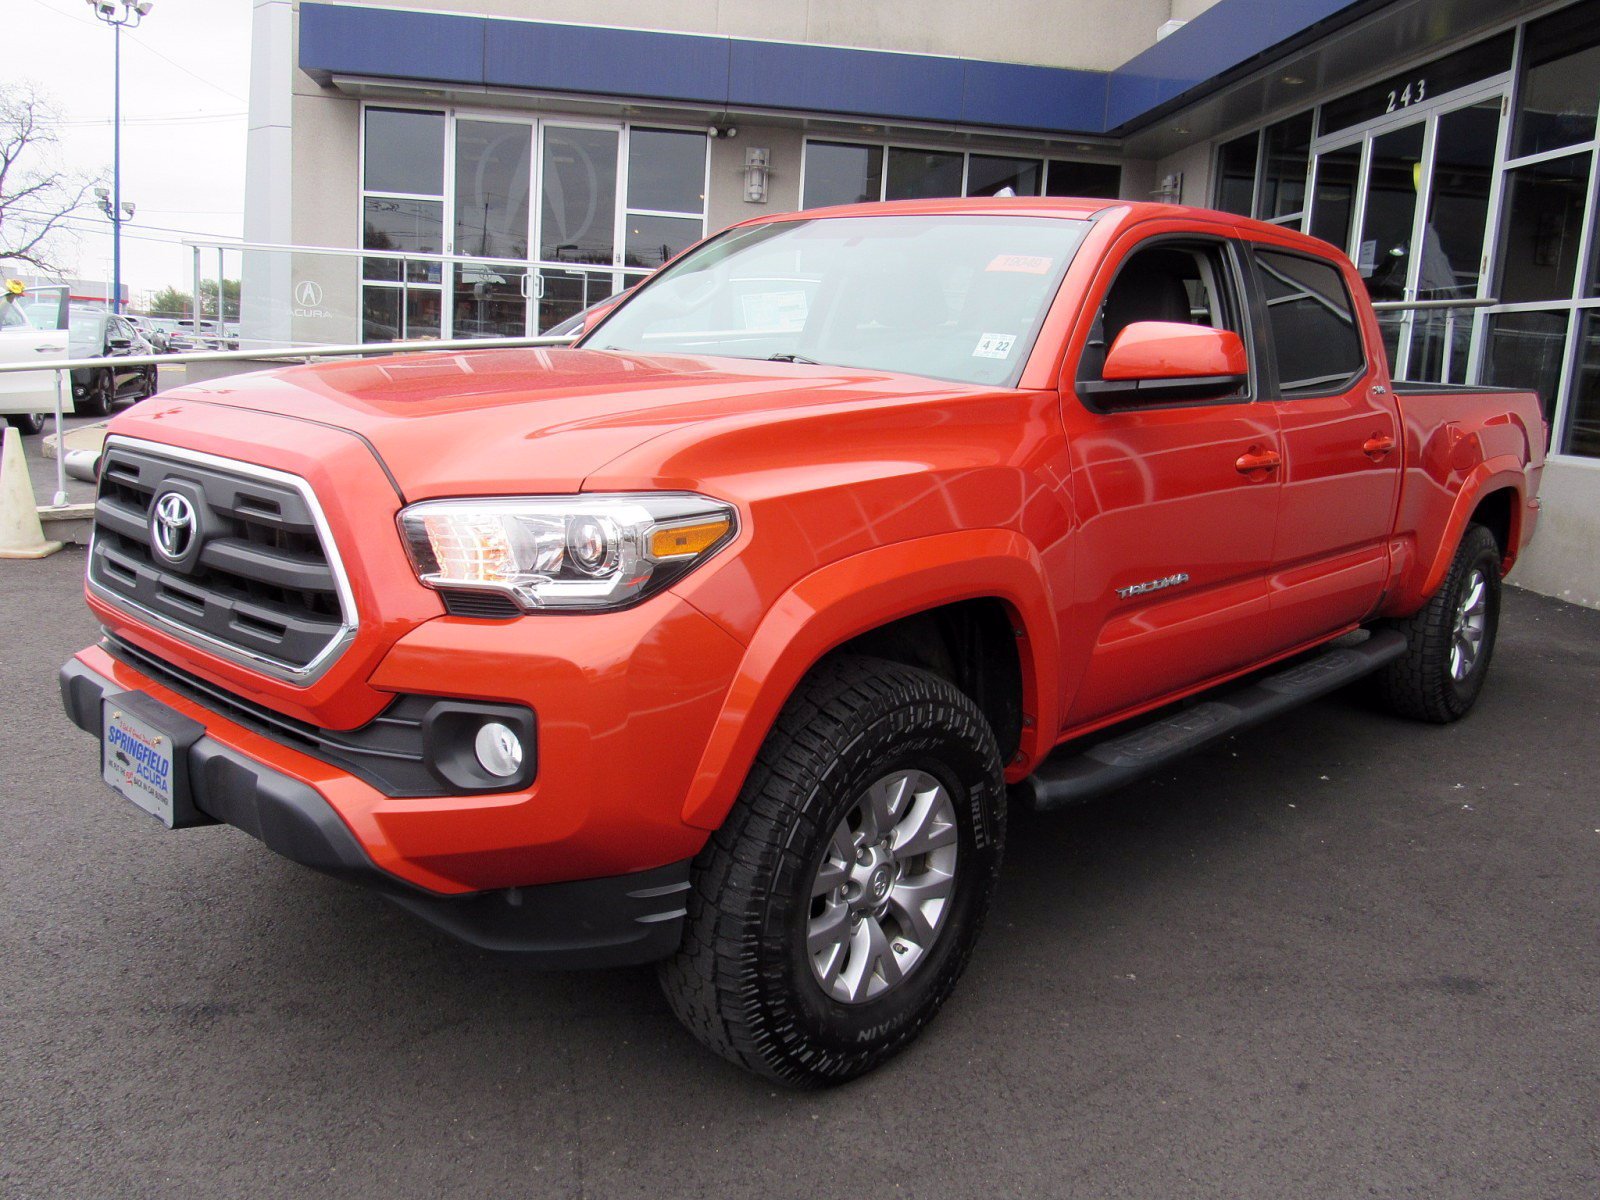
{"x":757,"y":170}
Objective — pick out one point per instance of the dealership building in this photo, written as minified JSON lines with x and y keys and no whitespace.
{"x":465,"y":168}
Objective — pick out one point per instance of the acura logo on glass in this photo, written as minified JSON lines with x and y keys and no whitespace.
{"x":173,"y":525}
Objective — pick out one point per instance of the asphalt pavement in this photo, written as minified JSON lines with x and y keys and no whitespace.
{"x":1339,"y":956}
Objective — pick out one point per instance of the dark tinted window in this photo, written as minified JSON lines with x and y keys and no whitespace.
{"x":1283,"y":162}
{"x":1236,"y":174}
{"x":842,"y":174}
{"x":405,"y":151}
{"x":922,"y":174}
{"x":1556,"y":104}
{"x":666,"y":170}
{"x":1101,"y":181}
{"x":988,"y":174}
{"x":1311,"y":320}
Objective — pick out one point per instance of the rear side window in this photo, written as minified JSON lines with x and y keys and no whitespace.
{"x":1312,"y":322}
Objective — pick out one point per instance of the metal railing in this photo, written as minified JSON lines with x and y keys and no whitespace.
{"x":1407,"y":328}
{"x":275,"y":276}
{"x":62,"y":368}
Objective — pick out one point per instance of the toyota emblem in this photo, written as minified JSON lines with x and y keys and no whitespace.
{"x":173,"y":525}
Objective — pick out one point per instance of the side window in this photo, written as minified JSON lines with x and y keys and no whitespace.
{"x":1312,"y":323}
{"x":11,"y":317}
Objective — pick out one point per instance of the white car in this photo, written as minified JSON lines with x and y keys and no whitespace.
{"x":26,"y":397}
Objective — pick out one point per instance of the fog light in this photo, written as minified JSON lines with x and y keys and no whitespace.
{"x":499,"y":749}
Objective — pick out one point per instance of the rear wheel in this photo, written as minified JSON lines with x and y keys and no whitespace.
{"x":836,"y":908}
{"x":28,"y":424}
{"x":1450,"y":641}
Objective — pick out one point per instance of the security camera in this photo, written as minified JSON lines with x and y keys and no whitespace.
{"x":102,"y":193}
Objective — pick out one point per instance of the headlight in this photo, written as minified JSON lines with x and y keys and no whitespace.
{"x":572,"y":552}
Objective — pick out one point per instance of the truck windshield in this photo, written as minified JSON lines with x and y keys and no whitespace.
{"x":956,"y":297}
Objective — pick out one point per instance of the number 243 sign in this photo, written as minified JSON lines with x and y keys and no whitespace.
{"x":1414,"y":92}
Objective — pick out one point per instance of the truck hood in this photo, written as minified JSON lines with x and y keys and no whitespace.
{"x":489,"y":422}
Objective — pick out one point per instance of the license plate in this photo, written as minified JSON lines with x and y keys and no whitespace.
{"x":137,"y":760}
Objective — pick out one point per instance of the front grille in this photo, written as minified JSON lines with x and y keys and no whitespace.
{"x":253,"y":579}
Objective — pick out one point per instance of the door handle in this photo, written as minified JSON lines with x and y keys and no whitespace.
{"x":1377,"y":447}
{"x":1256,"y":459}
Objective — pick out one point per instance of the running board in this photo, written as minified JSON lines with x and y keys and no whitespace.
{"x":1070,"y":777}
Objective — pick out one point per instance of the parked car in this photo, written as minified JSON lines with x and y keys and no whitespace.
{"x":716,"y":640}
{"x":150,"y":330}
{"x":27,"y":397}
{"x":97,"y":390}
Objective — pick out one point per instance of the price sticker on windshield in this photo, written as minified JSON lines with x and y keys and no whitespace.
{"x":1021,"y":264}
{"x":995,"y":345}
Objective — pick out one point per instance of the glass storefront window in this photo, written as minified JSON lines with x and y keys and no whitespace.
{"x":1544,"y":221}
{"x":988,"y":174}
{"x":667,"y":170}
{"x":578,"y":208}
{"x":492,"y":178}
{"x":922,"y":174}
{"x":1286,"y":150}
{"x":1525,"y":350}
{"x":1335,"y":200}
{"x":1560,"y":89}
{"x":842,"y":174}
{"x":1101,"y":181}
{"x":401,"y":227}
{"x":652,"y":240}
{"x":1582,"y":434}
{"x":404,"y":152}
{"x":1236,"y":174}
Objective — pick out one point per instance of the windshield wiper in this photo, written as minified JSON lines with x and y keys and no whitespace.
{"x":794,"y":358}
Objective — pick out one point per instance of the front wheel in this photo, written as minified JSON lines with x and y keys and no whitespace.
{"x":101,"y":395}
{"x":1450,"y":641}
{"x":836,"y":908}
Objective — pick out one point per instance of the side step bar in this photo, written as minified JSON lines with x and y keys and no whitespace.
{"x":1071,"y":776}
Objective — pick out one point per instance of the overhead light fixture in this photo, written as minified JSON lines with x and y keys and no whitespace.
{"x":1293,"y":80}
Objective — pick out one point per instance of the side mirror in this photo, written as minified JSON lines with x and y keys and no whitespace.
{"x":1161,"y":360}
{"x":119,"y":343}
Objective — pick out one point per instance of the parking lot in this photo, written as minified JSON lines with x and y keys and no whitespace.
{"x":1338,"y":956}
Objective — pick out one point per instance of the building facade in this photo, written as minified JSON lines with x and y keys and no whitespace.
{"x":463,"y":168}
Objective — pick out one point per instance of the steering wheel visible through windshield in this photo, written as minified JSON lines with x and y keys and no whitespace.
{"x":951,"y":296}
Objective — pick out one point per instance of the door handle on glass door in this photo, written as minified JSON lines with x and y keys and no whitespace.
{"x":1377,"y":446}
{"x":1256,"y":459}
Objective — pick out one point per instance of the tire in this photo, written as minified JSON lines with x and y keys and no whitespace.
{"x":101,"y":396}
{"x":1450,"y":641}
{"x":28,"y":424}
{"x":859,"y":736}
{"x":150,"y":384}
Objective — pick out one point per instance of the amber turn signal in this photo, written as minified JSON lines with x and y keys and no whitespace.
{"x":682,"y":541}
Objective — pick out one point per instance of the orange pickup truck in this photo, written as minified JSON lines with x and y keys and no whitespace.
{"x":723,"y":639}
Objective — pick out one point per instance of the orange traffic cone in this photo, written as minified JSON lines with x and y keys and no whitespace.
{"x":21,"y":535}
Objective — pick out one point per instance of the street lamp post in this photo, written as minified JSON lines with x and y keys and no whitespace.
{"x":118,"y":14}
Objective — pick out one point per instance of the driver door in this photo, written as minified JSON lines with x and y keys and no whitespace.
{"x":1176,"y":534}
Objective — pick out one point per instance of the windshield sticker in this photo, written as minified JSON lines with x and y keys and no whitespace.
{"x":774,"y":312}
{"x":995,"y":345}
{"x":1021,"y":264}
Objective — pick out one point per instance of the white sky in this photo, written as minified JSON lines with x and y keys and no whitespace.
{"x":185,"y":80}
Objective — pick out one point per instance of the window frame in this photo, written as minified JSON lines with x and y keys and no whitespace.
{"x":1227,"y":252}
{"x":1267,"y":345}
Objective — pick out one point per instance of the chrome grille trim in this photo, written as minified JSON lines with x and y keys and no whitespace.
{"x":296,"y":675}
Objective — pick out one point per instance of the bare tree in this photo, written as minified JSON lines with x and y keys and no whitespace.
{"x":35,"y":196}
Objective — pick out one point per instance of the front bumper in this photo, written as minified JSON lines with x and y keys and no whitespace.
{"x":613,"y":921}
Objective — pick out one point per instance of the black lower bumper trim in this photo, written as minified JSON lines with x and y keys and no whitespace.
{"x":617,"y":921}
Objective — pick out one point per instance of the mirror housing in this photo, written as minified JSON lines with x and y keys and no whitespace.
{"x":1154,"y":361}
{"x":1168,"y":350}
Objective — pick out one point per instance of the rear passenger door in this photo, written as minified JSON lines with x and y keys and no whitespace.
{"x":1341,"y":447}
